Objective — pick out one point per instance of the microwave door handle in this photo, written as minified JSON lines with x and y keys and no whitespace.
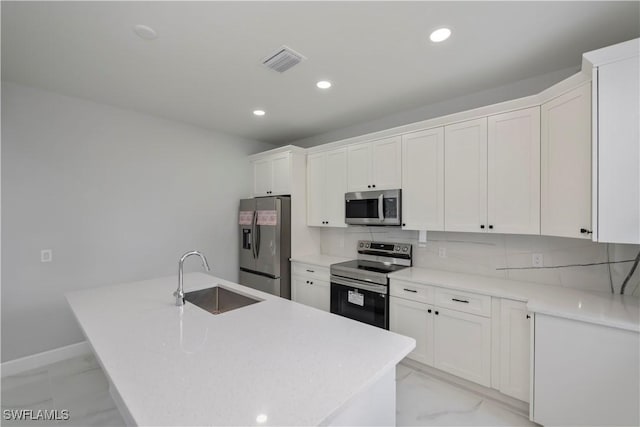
{"x":381,"y":207}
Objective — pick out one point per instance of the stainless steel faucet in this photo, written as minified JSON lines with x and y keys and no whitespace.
{"x":179,"y":293}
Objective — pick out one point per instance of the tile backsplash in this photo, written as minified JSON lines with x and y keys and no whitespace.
{"x":503,"y":255}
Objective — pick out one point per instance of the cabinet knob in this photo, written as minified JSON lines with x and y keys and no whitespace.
{"x":404,"y":225}
{"x":311,"y":283}
{"x":368,"y":186}
{"x":374,"y":186}
{"x":437,"y":313}
{"x":307,"y":281}
{"x":482,"y":226}
{"x":490,"y":227}
{"x":528,"y":317}
{"x":585,"y":231}
{"x":429,"y":311}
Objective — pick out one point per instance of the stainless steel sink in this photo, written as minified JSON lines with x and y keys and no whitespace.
{"x":218,"y":300}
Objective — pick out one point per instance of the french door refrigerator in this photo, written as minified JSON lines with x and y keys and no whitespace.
{"x":265,"y":244}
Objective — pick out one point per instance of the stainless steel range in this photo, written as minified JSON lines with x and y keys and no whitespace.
{"x":360,"y":288}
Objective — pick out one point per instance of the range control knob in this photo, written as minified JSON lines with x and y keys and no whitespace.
{"x":367,"y":245}
{"x":405,"y":249}
{"x":361,"y":244}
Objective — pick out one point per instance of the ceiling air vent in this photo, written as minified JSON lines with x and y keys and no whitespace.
{"x":283,"y":59}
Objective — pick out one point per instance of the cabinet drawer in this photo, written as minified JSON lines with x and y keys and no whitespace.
{"x":309,"y":270}
{"x":463,"y":301}
{"x":411,"y":291}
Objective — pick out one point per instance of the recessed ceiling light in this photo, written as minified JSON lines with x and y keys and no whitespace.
{"x":324,"y":84}
{"x":145,"y":32}
{"x":259,"y":112}
{"x":440,"y":35}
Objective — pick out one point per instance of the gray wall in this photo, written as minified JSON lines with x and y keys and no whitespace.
{"x":117,"y":195}
{"x":507,"y":92}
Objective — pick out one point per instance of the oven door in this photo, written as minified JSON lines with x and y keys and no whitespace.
{"x":364,"y":302}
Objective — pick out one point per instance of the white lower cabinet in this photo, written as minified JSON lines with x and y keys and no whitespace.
{"x":514,"y":349}
{"x":462,"y":345}
{"x":415,"y":320}
{"x":450,"y":340}
{"x":311,"y":292}
{"x":310,"y":285}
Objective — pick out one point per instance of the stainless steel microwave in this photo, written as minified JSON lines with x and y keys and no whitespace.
{"x":373,"y":207}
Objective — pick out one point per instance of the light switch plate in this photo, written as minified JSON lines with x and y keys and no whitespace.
{"x":46,"y":255}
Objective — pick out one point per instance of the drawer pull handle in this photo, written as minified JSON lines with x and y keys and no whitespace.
{"x":411,"y":290}
{"x":311,"y":271}
{"x":460,"y":300}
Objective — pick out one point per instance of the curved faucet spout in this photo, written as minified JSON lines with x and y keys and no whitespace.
{"x":179,"y":293}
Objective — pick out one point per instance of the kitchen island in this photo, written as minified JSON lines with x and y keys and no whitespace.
{"x":274,"y":362}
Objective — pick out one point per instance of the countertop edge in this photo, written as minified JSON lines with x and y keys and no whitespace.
{"x":533,"y":302}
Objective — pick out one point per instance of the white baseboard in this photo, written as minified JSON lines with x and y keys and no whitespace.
{"x":34,"y":361}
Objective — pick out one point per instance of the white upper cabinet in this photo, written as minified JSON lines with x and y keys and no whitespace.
{"x":316,"y":189}
{"x":513,"y":175}
{"x":492,"y":174}
{"x":423,"y":180}
{"x":616,"y":112}
{"x":326,"y":185}
{"x":281,"y":183}
{"x":465,"y":169}
{"x":565,"y":165}
{"x":375,"y":165}
{"x":387,"y":163}
{"x":272,"y":175}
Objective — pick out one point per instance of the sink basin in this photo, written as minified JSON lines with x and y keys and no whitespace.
{"x":218,"y":300}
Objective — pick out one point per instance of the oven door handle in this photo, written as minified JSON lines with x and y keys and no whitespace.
{"x":381,"y":207}
{"x":379,"y":289}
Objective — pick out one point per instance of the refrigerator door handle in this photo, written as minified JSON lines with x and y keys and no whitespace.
{"x":253,"y":231}
{"x":257,"y":241}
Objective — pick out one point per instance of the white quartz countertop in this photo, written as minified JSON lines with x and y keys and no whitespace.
{"x":319,"y":259}
{"x":184,"y":366}
{"x":594,"y":307}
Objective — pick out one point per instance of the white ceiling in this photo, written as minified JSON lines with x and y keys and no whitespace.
{"x":205,"y":66}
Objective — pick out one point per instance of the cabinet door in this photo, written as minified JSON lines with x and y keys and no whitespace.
{"x":359,"y":167}
{"x":565,"y":164}
{"x":311,"y":292}
{"x":281,"y":180}
{"x":423,"y":180}
{"x":618,"y":184}
{"x":514,"y":349}
{"x":335,"y":187}
{"x":262,"y":176}
{"x":415,"y":320}
{"x":462,"y":345}
{"x":387,"y":164}
{"x":315,"y":189}
{"x":513,"y":202}
{"x":465,"y":182}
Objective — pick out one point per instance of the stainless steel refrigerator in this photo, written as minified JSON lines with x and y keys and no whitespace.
{"x":265,"y":244}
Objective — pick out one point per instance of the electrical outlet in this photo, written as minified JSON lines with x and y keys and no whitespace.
{"x":537,"y":260}
{"x":442,"y":252}
{"x":46,"y":255}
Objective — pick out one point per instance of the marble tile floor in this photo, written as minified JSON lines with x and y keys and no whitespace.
{"x":423,"y":400}
{"x":77,"y":385}
{"x":80,"y":386}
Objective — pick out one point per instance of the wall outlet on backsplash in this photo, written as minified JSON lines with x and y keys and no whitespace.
{"x":537,"y":260}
